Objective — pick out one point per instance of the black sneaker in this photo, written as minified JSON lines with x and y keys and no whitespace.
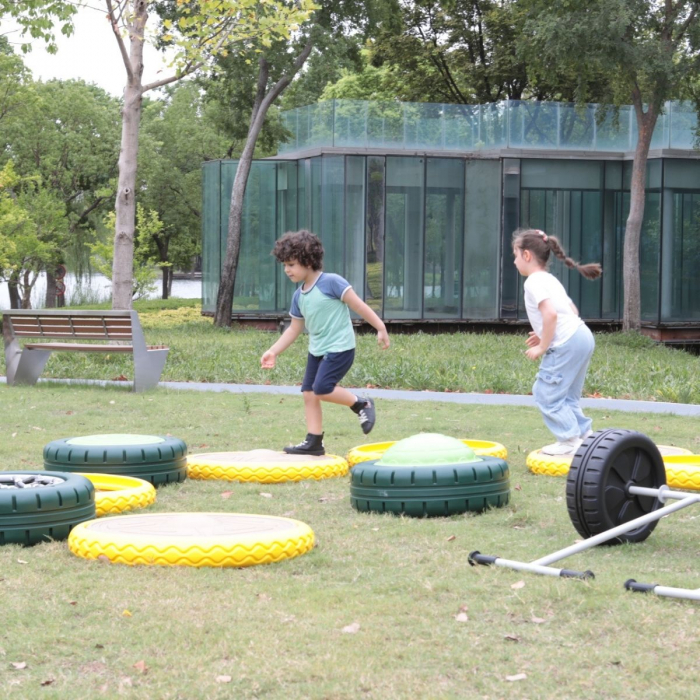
{"x":367,"y":416}
{"x":310,"y":445}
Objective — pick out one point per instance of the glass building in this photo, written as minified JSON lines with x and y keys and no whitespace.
{"x":416,"y":205}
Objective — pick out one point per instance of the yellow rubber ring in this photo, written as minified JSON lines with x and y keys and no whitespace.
{"x":264,"y":466}
{"x":116,"y":494}
{"x":375,"y":450}
{"x":191,"y":539}
{"x":683,"y":472}
{"x":558,"y":465}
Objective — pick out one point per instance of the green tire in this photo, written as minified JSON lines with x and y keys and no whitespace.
{"x":43,"y":513}
{"x":157,"y":459}
{"x":432,"y":491}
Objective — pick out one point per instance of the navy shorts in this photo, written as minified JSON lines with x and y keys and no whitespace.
{"x":324,"y":372}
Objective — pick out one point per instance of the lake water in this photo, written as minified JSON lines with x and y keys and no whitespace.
{"x":99,"y":286}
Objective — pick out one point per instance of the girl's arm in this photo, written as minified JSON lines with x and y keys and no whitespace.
{"x":296,"y":328}
{"x":359,"y":307}
{"x":549,"y":326}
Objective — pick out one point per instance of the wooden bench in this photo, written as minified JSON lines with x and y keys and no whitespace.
{"x":121,"y":329}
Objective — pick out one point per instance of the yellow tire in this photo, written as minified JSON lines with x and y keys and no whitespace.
{"x":375,"y":450}
{"x":683,"y":472}
{"x":192,"y":539}
{"x":558,"y":465}
{"x":116,"y":494}
{"x":264,"y":466}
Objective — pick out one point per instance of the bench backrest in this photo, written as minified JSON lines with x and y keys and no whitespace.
{"x":87,"y":325}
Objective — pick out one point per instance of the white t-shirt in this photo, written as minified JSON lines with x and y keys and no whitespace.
{"x":543,"y":285}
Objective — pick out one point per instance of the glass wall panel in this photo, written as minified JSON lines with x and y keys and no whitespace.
{"x":404,"y":237}
{"x":256,"y":274}
{"x":444,"y":210}
{"x":332,"y":229}
{"x":374,"y":230}
{"x":211,"y":234}
{"x":315,"y":196}
{"x":354,"y":254}
{"x":482,"y":239}
{"x":286,"y":221}
{"x":510,"y":284}
{"x":680,"y":259}
{"x":649,"y":245}
{"x":303,"y":193}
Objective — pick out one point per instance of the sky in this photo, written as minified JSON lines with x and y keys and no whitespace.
{"x":91,"y":53}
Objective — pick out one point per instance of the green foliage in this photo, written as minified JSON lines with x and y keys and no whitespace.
{"x":148,"y":226}
{"x":38,"y":19}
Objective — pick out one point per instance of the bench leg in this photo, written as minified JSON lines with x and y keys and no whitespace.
{"x":148,"y":366}
{"x":30,"y":366}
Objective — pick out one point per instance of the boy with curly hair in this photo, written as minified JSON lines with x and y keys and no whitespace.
{"x":322,"y":303}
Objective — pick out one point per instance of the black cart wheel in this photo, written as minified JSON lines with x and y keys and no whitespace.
{"x":607,"y":463}
{"x":42,"y":506}
{"x":157,"y":459}
{"x":430,"y":491}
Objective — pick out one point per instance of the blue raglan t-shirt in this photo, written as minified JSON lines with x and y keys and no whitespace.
{"x":326,"y":316}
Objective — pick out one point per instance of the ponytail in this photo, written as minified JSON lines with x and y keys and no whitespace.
{"x":540,"y":245}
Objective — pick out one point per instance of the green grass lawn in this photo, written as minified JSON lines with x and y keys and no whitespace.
{"x":623,"y":366}
{"x":383,"y":607}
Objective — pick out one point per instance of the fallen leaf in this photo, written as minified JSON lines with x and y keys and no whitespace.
{"x":14,"y":434}
{"x":352,"y":628}
{"x":127,"y":613}
{"x":511,"y":638}
{"x":226,"y":494}
{"x":223,"y":679}
{"x":462,"y":617}
{"x":518,"y":487}
{"x":265,"y":495}
{"x":518,"y":527}
{"x":120,"y":378}
{"x":263,"y":596}
{"x":72,"y":602}
{"x":517,"y":677}
{"x":113,"y":402}
{"x":99,"y":646}
{"x":48,"y":681}
{"x":375,"y":529}
{"x":141,"y":666}
{"x":19,"y":665}
{"x":518,"y":584}
{"x":21,"y":561}
{"x":103,"y":558}
{"x":451,"y":538}
{"x":34,"y":427}
{"x":538,"y":620}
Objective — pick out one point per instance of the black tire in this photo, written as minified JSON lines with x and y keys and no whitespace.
{"x":432,"y":491}
{"x":42,"y":513}
{"x":605,"y":464}
{"x":157,"y":459}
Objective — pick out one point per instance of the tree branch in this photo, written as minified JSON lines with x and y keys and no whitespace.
{"x":113,"y":22}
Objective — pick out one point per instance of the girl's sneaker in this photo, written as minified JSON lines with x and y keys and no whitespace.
{"x":562,"y":447}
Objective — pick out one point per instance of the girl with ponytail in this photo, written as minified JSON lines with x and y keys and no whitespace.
{"x":559,"y":337}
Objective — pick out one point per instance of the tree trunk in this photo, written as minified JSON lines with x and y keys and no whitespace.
{"x":50,"y":300}
{"x":631,"y":313}
{"x":14,"y":293}
{"x":123,"y":264}
{"x":224,"y":298}
{"x":167,"y":276}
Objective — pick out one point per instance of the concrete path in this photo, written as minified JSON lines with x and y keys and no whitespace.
{"x":679,"y":409}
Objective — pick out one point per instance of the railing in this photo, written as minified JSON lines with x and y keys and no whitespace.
{"x":510,"y":124}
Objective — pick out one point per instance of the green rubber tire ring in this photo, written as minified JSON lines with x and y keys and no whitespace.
{"x":157,"y":459}
{"x":29,"y":516}
{"x":433,"y":491}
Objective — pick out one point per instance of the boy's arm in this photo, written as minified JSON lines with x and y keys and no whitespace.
{"x":296,"y":328}
{"x":359,"y":307}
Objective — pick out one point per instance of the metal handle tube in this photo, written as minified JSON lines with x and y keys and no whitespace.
{"x":665,"y":591}
{"x":615,"y":531}
{"x":530,"y":568}
{"x":663,"y":493}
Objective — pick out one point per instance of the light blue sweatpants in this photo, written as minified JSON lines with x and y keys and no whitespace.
{"x":557,"y":389}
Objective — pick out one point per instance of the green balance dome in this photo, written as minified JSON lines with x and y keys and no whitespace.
{"x":426,"y":449}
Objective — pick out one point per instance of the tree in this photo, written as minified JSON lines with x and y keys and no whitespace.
{"x":642,"y":52}
{"x":178,"y":134}
{"x":278,"y":64}
{"x":203,"y":30}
